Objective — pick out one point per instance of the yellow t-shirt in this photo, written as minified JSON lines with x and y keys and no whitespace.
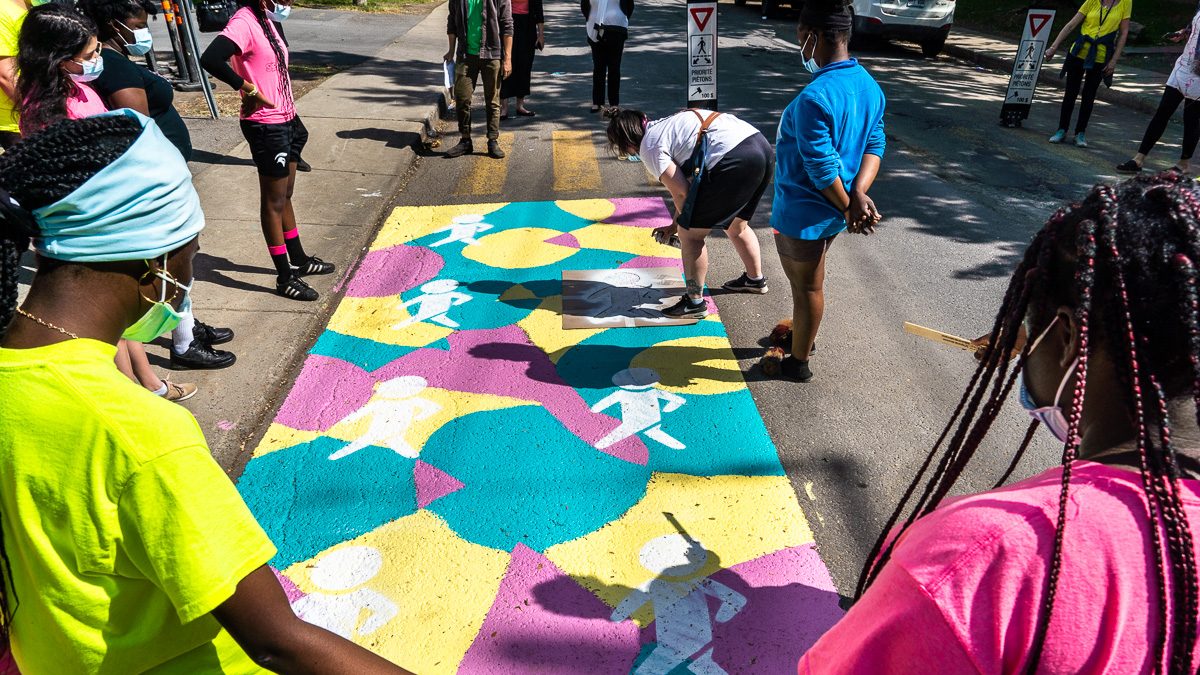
{"x":1099,"y":21}
{"x":11,"y":17}
{"x":122,"y":533}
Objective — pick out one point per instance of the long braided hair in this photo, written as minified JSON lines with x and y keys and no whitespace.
{"x":36,"y":172}
{"x":1126,"y":259}
{"x":283,"y":93}
{"x":50,"y":35}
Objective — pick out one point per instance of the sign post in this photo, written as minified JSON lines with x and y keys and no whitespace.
{"x":702,"y":54}
{"x":1026,"y":67}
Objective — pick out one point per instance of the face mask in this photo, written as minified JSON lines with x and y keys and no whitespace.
{"x":280,"y":13}
{"x":161,"y":317}
{"x":39,"y":3}
{"x":1051,"y":416}
{"x":91,"y":70}
{"x":810,"y":64}
{"x":142,"y":43}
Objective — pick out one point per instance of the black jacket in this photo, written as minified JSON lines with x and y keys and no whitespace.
{"x":497,"y":22}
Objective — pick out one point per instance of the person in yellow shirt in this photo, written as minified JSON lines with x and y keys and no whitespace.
{"x":126,"y":548}
{"x":12,"y":14}
{"x":1091,"y":59}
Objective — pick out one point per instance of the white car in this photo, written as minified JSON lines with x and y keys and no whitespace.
{"x":926,"y":22}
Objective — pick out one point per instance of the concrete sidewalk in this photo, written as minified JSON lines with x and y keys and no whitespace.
{"x":1132,"y":87}
{"x":365,"y":124}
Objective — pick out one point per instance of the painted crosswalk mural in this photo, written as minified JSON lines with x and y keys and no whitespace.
{"x":461,"y":485}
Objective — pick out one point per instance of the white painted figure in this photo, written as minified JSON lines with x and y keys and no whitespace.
{"x":463,"y":229}
{"x":338,"y":606}
{"x":641,"y":408}
{"x":436,"y":299}
{"x":393,"y":409}
{"x":682,"y":620}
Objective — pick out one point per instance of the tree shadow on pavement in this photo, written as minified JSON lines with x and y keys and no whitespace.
{"x":393,"y":139}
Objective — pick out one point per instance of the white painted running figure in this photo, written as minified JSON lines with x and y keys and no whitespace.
{"x":342,"y":573}
{"x":640,"y":408}
{"x":432,"y":305}
{"x":393,"y":409}
{"x":682,"y":620}
{"x":464,"y":229}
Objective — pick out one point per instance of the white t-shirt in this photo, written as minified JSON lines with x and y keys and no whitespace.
{"x":607,"y":13}
{"x":672,"y":139}
{"x":1183,"y":77}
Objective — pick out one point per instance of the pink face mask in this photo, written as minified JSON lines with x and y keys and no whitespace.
{"x":1051,"y":416}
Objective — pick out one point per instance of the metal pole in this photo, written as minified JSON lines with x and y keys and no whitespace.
{"x":189,"y":21}
{"x":169,"y":17}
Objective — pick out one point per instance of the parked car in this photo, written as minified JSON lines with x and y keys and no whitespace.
{"x":926,"y":22}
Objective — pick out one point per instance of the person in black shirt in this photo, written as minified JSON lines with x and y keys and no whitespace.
{"x":121,"y":27}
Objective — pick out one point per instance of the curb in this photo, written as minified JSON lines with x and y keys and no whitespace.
{"x":1003,"y":65}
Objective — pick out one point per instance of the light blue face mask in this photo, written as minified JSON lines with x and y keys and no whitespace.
{"x":162,"y":317}
{"x":280,"y":13}
{"x":142,"y":43}
{"x":1051,"y":416}
{"x":810,"y":64}
{"x":91,"y":70}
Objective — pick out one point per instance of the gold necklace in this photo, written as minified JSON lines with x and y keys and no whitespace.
{"x":47,"y":324}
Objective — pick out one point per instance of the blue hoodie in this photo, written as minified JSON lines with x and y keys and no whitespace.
{"x":823,"y":134}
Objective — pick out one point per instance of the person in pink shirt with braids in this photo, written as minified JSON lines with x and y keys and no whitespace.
{"x":1088,"y":567}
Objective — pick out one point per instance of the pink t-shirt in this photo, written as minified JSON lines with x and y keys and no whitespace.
{"x":84,"y":103}
{"x":258,"y":64}
{"x":964,"y":588}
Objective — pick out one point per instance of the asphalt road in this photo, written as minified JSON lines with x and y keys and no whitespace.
{"x":961,"y":197}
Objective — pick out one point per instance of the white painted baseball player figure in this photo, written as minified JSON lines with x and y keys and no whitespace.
{"x":641,"y":408}
{"x":393,"y":409}
{"x":436,"y":299}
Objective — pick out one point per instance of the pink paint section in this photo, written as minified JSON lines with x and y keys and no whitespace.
{"x":640,"y":212}
{"x":499,"y":362}
{"x":642,"y":262}
{"x":290,"y":589}
{"x":565,"y":239}
{"x":394,"y":270}
{"x":433,"y":484}
{"x":790,"y":602}
{"x":543,"y":622}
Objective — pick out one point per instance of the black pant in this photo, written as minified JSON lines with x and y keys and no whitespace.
{"x":1171,"y":99}
{"x":1090,"y":78}
{"x":606,"y":64}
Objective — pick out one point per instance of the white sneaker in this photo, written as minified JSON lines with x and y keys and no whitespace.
{"x":1058,"y":136}
{"x":1080,"y":141}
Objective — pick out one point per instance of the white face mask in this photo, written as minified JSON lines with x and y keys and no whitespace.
{"x":91,"y":70}
{"x":1051,"y":416}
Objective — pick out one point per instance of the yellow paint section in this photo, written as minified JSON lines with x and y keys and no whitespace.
{"x":519,"y":248}
{"x":280,"y":436}
{"x":576,"y":167}
{"x":487,"y":176}
{"x":695,"y":365}
{"x":373,"y":318}
{"x":544,"y":328}
{"x":433,"y":629}
{"x":453,"y":404}
{"x":735,"y":518}
{"x":413,"y":222}
{"x":623,"y":239}
{"x":594,"y":210}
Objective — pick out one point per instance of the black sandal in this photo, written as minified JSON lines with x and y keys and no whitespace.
{"x":1129,"y":166}
{"x":314,"y":265}
{"x":295,"y":289}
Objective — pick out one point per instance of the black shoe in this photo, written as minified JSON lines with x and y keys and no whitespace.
{"x":494,"y":150}
{"x":313,"y":265}
{"x":295,"y":288}
{"x":685,"y":308}
{"x":464,"y":147}
{"x":210,"y":335}
{"x":1129,"y":166}
{"x":201,"y":357}
{"x":302,"y":165}
{"x":795,"y":369}
{"x":744,"y":284}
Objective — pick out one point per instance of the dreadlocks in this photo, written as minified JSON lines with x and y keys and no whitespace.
{"x":1125,"y":258}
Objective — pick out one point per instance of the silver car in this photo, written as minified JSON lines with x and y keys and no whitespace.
{"x":926,"y":22}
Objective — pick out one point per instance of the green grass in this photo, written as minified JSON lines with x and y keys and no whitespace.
{"x":386,"y":6}
{"x":1006,"y":17}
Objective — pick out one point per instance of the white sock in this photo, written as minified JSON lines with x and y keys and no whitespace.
{"x":181,"y":337}
{"x":161,"y":391}
{"x":758,"y":278}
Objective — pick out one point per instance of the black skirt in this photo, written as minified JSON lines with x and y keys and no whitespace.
{"x":524,"y":46}
{"x":734,"y":186}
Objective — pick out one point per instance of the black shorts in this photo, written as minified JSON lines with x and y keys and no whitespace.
{"x":274,"y":146}
{"x":733,"y":187}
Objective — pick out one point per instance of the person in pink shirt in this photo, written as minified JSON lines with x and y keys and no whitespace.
{"x":57,"y":55}
{"x":251,"y":55}
{"x":1088,"y":567}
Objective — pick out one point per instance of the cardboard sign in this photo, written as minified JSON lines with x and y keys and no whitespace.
{"x":702,"y":54}
{"x":1027,"y":65}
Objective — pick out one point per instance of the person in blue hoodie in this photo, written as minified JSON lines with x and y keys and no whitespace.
{"x":828,"y":151}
